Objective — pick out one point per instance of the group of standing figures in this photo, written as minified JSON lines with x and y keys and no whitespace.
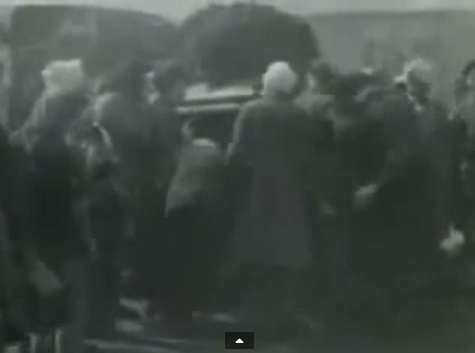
{"x":335,"y":200}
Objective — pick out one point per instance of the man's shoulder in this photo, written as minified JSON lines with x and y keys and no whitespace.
{"x":107,"y":103}
{"x":392,"y":97}
{"x":253,"y":104}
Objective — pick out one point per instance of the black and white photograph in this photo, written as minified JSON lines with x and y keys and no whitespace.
{"x":197,"y":176}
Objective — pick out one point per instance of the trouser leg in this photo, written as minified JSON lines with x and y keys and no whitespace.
{"x":74,"y":332}
{"x":105,"y":297}
{"x":270,"y":305}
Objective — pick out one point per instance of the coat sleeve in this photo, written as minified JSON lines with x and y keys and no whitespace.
{"x":400,"y":137}
{"x":459,"y":201}
{"x":27,"y":134}
{"x":239,"y":146}
{"x":237,"y":171}
{"x":106,"y":109}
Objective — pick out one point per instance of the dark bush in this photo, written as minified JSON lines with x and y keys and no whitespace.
{"x":228,"y":43}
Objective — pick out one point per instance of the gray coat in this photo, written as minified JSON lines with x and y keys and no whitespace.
{"x":272,"y":157}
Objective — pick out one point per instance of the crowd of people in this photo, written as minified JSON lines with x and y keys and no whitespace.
{"x":351,"y":194}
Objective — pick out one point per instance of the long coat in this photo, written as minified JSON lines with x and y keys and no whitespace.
{"x":58,"y":173}
{"x":271,"y":157}
{"x":409,"y":212}
{"x":123,"y":120}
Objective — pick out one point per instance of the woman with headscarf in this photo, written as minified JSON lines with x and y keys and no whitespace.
{"x":272,"y":156}
{"x":159,"y":156}
{"x":356,"y":156}
{"x":463,"y":122}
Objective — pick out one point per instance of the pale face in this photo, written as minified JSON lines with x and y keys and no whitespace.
{"x":471,"y":80}
{"x":418,"y":88}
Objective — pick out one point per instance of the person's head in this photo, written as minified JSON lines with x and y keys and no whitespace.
{"x":64,"y":76}
{"x":193,"y":130}
{"x":279,"y":81}
{"x":126,"y":77}
{"x":353,"y":91}
{"x":466,"y":81}
{"x":170,"y":79}
{"x":419,"y":77}
{"x":400,"y":84}
{"x":321,"y":76}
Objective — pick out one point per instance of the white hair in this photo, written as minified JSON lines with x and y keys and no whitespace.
{"x":63,"y":75}
{"x":420,"y":70}
{"x":401,"y":79}
{"x":368,"y":71}
{"x":279,"y":79}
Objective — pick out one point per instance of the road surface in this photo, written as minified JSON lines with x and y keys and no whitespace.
{"x":428,"y":328}
{"x":437,"y":327}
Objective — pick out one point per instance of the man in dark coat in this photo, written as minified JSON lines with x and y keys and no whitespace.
{"x":119,"y":110}
{"x":161,"y":148}
{"x":16,"y":240}
{"x":400,"y":251}
{"x":107,"y":211}
{"x":272,"y":160}
{"x":356,"y":155}
{"x":464,"y":137}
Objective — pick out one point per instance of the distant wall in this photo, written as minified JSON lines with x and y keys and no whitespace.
{"x":352,"y":41}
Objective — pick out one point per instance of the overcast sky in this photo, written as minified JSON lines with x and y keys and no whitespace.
{"x":178,"y":9}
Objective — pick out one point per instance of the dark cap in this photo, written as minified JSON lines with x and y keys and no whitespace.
{"x":168,"y":72}
{"x":322,"y":70}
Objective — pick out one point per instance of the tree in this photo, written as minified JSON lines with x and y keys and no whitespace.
{"x":228,"y":43}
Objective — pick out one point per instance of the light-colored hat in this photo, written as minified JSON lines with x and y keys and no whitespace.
{"x":279,"y":79}
{"x":420,"y":70}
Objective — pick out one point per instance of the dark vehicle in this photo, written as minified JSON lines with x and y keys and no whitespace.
{"x":217,"y":108}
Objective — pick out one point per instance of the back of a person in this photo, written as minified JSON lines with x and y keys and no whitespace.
{"x":162,"y":145}
{"x":280,"y":159}
{"x":122,"y":118}
{"x":282,"y":134}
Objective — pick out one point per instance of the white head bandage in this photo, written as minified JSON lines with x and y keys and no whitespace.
{"x":63,"y":75}
{"x":420,"y":70}
{"x":279,"y":79}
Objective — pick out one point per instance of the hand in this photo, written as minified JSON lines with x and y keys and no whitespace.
{"x":327,"y":210}
{"x":364,"y":196}
{"x":453,"y":243}
{"x":93,"y":251}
